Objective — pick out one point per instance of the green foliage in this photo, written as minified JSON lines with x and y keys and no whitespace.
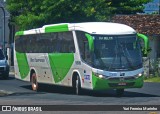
{"x":153,"y":79}
{"x":27,"y":14}
{"x":129,"y":6}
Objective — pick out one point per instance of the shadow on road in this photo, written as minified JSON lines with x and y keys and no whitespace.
{"x":24,"y":93}
{"x":43,"y":88}
{"x":9,"y":78}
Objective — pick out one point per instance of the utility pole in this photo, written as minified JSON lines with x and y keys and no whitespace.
{"x":4,"y":50}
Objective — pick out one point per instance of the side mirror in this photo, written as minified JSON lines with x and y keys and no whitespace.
{"x":145,"y":39}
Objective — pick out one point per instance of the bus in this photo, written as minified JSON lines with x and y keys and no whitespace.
{"x":90,"y":55}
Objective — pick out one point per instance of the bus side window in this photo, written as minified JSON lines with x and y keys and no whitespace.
{"x":83,"y":47}
{"x":87,"y":52}
{"x":53,"y":42}
{"x":65,"y":42}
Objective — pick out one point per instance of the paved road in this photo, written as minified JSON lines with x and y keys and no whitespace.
{"x":19,"y":92}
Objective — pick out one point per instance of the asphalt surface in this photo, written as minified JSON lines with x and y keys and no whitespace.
{"x":16,"y":92}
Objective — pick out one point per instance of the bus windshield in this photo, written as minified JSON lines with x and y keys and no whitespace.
{"x":116,"y":53}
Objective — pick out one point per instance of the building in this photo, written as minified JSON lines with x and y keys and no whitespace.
{"x":4,"y":29}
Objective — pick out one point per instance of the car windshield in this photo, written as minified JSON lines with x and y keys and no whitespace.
{"x":116,"y":53}
{"x":1,"y":55}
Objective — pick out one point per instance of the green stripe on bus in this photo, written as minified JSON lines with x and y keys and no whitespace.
{"x":60,"y":65}
{"x":19,"y":33}
{"x":99,"y":84}
{"x":22,"y":64}
{"x":57,"y":28}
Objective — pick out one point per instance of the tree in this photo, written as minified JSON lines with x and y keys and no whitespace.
{"x":29,"y":14}
{"x":128,"y":6}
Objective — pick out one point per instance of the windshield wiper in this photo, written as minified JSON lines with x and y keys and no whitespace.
{"x":116,"y":53}
{"x":129,"y":62}
{"x":119,"y":50}
{"x":99,"y":59}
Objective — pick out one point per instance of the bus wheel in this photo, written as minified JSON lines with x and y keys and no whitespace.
{"x":119,"y":92}
{"x":34,"y":82}
{"x":78,"y":86}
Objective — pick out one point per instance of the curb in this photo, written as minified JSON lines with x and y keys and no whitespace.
{"x":4,"y":93}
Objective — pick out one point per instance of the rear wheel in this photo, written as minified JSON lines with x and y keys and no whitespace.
{"x":34,"y":82}
{"x":119,"y":92}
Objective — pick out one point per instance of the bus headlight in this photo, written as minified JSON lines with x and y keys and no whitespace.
{"x":139,"y":75}
{"x":99,"y":75}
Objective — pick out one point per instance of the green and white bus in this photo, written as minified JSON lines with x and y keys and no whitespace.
{"x":91,"y":55}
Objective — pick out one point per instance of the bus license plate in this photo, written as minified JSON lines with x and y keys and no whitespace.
{"x":122,"y":84}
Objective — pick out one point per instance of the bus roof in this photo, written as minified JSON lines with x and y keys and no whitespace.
{"x":107,"y":28}
{"x":104,"y":28}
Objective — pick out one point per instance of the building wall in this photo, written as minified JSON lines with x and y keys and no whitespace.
{"x":155,"y":46}
{"x":2,"y":28}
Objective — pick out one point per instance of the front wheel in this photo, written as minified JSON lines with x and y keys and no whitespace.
{"x":34,"y":82}
{"x":78,"y":86}
{"x":119,"y":92}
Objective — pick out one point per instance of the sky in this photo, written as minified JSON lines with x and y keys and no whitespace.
{"x":152,"y":6}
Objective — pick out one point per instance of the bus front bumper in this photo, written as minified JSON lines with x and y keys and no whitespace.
{"x":116,"y":83}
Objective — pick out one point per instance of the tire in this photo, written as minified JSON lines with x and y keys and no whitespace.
{"x":119,"y":92}
{"x":78,"y":86}
{"x":34,"y":82}
{"x":5,"y":77}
